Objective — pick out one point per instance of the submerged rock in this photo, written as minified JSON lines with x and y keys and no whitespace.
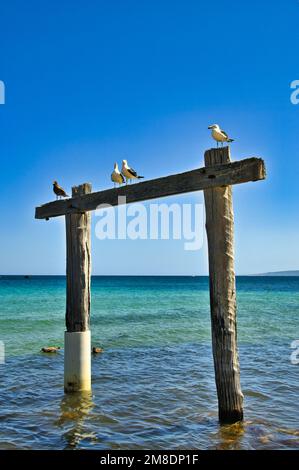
{"x":50,"y":349}
{"x":96,"y":350}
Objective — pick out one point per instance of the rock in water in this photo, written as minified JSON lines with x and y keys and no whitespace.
{"x":96,"y":350}
{"x":50,"y":349}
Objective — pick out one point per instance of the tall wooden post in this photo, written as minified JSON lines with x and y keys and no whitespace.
{"x":77,"y":350}
{"x":220,"y":232}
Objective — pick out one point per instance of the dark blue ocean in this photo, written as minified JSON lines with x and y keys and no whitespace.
{"x":153,"y":386}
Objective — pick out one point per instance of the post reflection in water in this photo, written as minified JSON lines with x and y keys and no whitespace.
{"x":74,"y":409}
{"x":230,"y":436}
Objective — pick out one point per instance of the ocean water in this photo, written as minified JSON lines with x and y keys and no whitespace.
{"x":153,"y":386}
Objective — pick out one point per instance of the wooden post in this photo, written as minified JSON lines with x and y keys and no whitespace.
{"x":220,"y":232}
{"x":77,"y":351}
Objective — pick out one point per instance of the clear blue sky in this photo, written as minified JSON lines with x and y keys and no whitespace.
{"x":89,"y":82}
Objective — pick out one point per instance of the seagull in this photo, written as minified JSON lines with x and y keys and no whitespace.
{"x":116,"y":175}
{"x":219,"y":135}
{"x":58,"y":190}
{"x":128,"y":172}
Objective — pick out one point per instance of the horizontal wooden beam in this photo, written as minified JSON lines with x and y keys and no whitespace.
{"x":242,"y":171}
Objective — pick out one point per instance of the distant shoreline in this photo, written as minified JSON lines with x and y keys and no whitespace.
{"x":279,"y":273}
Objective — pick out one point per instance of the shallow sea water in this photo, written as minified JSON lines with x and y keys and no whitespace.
{"x":153,"y":386}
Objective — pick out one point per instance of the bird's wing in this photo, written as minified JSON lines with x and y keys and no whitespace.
{"x":122,"y":177}
{"x":224,"y":133}
{"x":133,"y":172}
{"x":61,"y":191}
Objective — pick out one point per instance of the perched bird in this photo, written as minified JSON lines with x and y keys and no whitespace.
{"x":116,"y":176}
{"x":58,"y":190}
{"x":219,"y":135}
{"x":128,"y":172}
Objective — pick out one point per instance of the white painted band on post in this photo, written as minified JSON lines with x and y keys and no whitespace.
{"x":77,"y":361}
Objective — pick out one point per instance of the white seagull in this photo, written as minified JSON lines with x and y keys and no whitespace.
{"x":116,"y":176}
{"x":219,"y":135}
{"x":128,"y":172}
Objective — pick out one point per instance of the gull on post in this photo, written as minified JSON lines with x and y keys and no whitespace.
{"x":219,"y":135}
{"x":116,"y":176}
{"x":59,"y":191}
{"x":128,"y":172}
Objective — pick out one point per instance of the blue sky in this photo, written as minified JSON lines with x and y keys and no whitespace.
{"x":91,"y":82}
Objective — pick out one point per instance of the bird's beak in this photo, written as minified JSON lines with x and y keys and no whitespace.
{"x":210,"y":127}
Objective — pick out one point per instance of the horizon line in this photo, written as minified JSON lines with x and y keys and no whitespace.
{"x":269,"y":273}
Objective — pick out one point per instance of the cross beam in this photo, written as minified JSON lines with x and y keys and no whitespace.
{"x":242,"y":171}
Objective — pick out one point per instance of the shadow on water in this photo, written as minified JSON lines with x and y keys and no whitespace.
{"x":74,"y":410}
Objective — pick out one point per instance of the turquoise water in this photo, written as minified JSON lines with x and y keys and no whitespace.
{"x":153,"y":387}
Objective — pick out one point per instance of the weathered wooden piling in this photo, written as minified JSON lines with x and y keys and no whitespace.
{"x":77,"y":350}
{"x":220,"y":232}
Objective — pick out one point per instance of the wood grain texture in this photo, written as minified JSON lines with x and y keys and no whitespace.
{"x":220,"y":232}
{"x":78,"y":266}
{"x":220,"y":174}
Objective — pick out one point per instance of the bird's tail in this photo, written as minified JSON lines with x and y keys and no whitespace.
{"x":140,"y":177}
{"x":230,"y":140}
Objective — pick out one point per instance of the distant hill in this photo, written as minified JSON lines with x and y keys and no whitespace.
{"x":280,"y":273}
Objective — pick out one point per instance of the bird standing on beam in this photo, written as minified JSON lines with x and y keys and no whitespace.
{"x":116,"y":176}
{"x":128,"y":172}
{"x":219,"y":135}
{"x":59,"y":191}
